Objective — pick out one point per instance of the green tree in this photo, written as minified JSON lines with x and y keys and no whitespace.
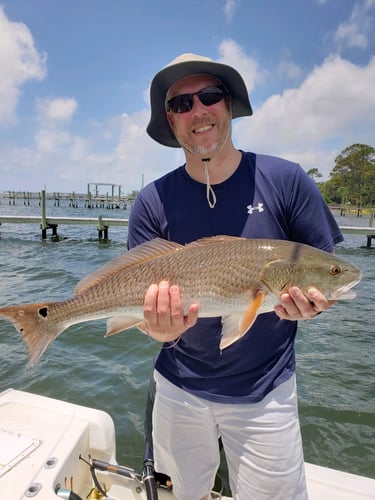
{"x":352,"y":179}
{"x":314,"y":173}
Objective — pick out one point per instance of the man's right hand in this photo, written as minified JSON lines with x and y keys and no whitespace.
{"x":164,"y":312}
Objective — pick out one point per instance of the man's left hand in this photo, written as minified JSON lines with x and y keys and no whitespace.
{"x":296,"y":306}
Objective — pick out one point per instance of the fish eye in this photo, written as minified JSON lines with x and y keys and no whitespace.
{"x":335,"y":270}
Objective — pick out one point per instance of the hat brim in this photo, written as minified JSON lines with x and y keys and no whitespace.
{"x":158,"y":127}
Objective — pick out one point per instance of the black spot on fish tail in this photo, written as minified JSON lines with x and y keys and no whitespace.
{"x":43,"y":311}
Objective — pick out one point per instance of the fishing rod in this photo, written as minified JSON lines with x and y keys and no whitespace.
{"x":146,"y":479}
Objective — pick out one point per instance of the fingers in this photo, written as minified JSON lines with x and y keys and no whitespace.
{"x":150,"y":305}
{"x":296,"y":306}
{"x":176,"y":312}
{"x":164,"y":312}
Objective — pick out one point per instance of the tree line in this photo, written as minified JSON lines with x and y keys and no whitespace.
{"x":352,"y":179}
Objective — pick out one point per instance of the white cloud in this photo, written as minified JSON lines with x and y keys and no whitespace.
{"x":19,"y":62}
{"x":288,"y":70}
{"x":49,"y":141}
{"x":335,"y":105}
{"x":229,"y":8}
{"x":56,"y":110}
{"x":355,"y":31}
{"x":51,"y":137}
{"x":232,"y":54}
{"x":79,"y":148}
{"x":137,"y":156}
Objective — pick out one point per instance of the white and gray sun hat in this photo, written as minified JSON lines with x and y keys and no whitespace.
{"x":187,"y":65}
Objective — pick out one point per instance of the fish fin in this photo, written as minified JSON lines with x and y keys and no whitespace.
{"x":235,"y":326}
{"x":230,"y":331}
{"x":212,"y":240}
{"x":32,"y":322}
{"x":141,"y":253}
{"x":118,"y":324}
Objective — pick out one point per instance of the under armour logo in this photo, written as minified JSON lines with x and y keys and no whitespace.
{"x":251,"y":209}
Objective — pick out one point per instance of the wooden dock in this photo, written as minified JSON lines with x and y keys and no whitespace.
{"x":102,"y":223}
{"x":368,"y":231}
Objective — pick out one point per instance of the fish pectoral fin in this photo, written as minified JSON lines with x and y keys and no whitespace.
{"x":235,"y":326}
{"x":118,"y":324}
{"x":252,"y":310}
{"x":230,"y":331}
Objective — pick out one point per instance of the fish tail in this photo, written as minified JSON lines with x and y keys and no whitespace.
{"x":35,"y":326}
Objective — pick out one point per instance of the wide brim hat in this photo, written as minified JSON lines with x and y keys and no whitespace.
{"x":187,"y":65}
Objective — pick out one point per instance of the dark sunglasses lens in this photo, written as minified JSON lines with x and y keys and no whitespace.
{"x":184,"y":102}
{"x":181,"y":103}
{"x":208,"y":98}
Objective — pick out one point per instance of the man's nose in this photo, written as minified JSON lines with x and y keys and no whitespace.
{"x":198,"y":107}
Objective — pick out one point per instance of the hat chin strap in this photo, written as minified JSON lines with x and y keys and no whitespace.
{"x":210,"y":193}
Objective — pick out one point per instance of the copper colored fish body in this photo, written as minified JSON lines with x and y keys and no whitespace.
{"x":234,"y":278}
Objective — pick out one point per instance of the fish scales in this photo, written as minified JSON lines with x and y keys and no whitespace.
{"x":235,"y":278}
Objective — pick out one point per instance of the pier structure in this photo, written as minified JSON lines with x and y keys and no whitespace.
{"x":368,"y":231}
{"x":101,"y":223}
{"x":51,"y":223}
{"x":112,"y":200}
{"x":94,"y":198}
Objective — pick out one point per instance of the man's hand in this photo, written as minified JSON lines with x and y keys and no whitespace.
{"x":296,"y":306}
{"x":164,"y":312}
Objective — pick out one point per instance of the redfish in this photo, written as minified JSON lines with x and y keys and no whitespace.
{"x":233,"y":278}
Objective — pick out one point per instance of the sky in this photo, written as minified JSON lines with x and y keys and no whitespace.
{"x":75,"y":78}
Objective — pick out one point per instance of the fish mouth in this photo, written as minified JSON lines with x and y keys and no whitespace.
{"x":345,"y":292}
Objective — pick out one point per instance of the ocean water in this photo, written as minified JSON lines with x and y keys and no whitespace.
{"x":335,"y":351}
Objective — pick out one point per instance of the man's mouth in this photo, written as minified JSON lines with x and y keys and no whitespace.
{"x":203,"y":128}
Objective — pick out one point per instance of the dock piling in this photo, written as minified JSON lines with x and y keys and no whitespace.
{"x":102,"y":229}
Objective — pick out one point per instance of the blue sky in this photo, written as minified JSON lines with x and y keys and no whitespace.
{"x":75,"y":77}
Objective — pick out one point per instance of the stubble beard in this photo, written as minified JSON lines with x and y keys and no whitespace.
{"x":202,"y":151}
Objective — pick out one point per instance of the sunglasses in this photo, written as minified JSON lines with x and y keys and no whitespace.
{"x":207,"y":96}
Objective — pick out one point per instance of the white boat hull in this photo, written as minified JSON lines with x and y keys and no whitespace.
{"x":41,"y":440}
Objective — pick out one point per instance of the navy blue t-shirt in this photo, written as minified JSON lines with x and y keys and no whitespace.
{"x":266,"y":197}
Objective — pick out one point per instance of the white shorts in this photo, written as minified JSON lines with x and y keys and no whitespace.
{"x":262,"y":443}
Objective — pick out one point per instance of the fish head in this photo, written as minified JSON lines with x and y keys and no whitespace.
{"x":312,"y":268}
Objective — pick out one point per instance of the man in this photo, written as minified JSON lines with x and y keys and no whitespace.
{"x":245,"y":394}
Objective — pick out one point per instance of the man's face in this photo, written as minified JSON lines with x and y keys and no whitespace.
{"x":203,"y":130}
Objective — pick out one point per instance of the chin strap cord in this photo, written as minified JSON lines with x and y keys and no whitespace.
{"x":211,"y":196}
